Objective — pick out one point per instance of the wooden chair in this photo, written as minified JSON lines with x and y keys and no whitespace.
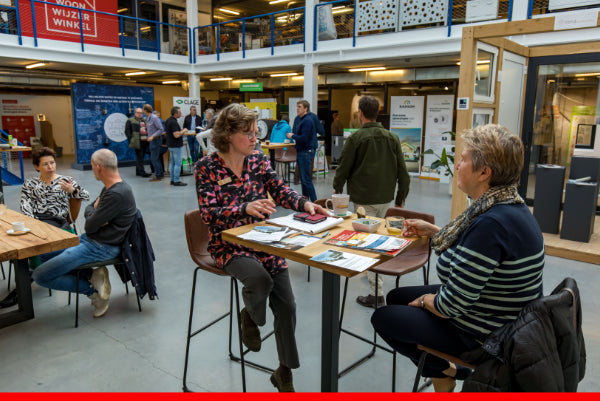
{"x":404,"y":263}
{"x":196,"y":233}
{"x":74,"y":208}
{"x":286,"y":157}
{"x":430,"y":351}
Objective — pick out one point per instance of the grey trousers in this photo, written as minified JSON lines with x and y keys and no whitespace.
{"x":259,"y":286}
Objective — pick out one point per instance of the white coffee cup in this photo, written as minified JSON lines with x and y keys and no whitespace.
{"x":18,"y":226}
{"x":339,"y":204}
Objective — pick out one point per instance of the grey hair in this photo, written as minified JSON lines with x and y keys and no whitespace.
{"x":211,"y":111}
{"x":105,"y":158}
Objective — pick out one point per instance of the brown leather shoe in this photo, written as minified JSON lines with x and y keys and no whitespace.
{"x":250,"y":332}
{"x":282,"y":387}
{"x":369,"y":301}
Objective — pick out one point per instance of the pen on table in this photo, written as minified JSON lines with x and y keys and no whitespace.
{"x":325,"y":234}
{"x":295,"y":234}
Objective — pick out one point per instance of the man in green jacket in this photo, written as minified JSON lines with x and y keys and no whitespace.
{"x":372,"y":163}
{"x":135,"y":131}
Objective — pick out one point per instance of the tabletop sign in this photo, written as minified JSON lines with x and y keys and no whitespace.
{"x":251,"y":87}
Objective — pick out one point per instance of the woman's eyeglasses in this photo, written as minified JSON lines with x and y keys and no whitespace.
{"x":251,"y":134}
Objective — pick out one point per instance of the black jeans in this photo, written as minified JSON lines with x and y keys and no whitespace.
{"x":403,"y":327}
{"x":139,"y":158}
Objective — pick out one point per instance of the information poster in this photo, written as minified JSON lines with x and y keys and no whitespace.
{"x":100,"y":113}
{"x":406,"y":121}
{"x":438,"y":121}
{"x":185,"y":103}
{"x":65,"y":20}
{"x":266,"y":110}
{"x":579,"y":115}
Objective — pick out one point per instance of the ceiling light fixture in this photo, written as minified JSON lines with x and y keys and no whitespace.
{"x":285,"y":74}
{"x":277,"y":1}
{"x":122,"y":10}
{"x":129,"y":74}
{"x":588,"y":74}
{"x":478,"y":62}
{"x":221,"y":79}
{"x":228,"y":11}
{"x":170,"y":82}
{"x":338,"y":7}
{"x":35,"y":65}
{"x":366,"y":69}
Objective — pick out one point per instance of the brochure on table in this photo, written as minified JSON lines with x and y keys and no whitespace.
{"x":345,"y":260}
{"x":280,"y":237}
{"x":288,"y":221}
{"x":370,"y":242}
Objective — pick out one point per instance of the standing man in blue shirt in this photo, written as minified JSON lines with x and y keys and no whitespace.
{"x":190,"y":122}
{"x":305,"y":136}
{"x":155,"y":130}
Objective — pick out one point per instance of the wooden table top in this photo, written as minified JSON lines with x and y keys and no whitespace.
{"x":303,"y":255}
{"x":275,"y":145}
{"x":15,"y":149}
{"x":41,"y":239}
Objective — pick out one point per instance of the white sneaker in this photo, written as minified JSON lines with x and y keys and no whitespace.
{"x":100,"y":305}
{"x":101,"y":282}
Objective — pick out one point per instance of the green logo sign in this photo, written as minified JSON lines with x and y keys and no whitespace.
{"x":251,"y":87}
{"x":179,"y":101}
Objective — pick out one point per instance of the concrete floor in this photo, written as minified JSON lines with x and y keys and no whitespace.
{"x":130,"y":351}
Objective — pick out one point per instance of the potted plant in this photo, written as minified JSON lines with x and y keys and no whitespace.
{"x":445,"y":160}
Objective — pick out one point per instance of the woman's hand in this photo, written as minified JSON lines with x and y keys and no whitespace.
{"x":313,"y":208}
{"x":426,"y":302}
{"x":66,"y":185}
{"x":419,"y":227}
{"x":260,"y":208}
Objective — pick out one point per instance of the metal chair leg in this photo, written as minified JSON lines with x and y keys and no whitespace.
{"x":237,"y":311}
{"x":308,"y":278}
{"x":3,"y":274}
{"x":189,"y":334}
{"x":419,"y":371}
{"x":77,"y":301}
{"x":10,"y":267}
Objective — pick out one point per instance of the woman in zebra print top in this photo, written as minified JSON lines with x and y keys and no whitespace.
{"x":491,"y":259}
{"x":49,"y":193}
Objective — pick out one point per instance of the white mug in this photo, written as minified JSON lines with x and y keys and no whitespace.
{"x":339,"y":204}
{"x":18,"y":226}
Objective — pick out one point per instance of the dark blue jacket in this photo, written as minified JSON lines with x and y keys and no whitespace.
{"x":318,"y":127}
{"x":139,"y":259}
{"x":304,"y":134}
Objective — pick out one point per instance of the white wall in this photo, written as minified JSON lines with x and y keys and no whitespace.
{"x":57,"y":109}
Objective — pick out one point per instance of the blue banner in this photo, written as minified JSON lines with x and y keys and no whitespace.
{"x":99,"y":116}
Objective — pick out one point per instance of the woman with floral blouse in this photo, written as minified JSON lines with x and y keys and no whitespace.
{"x":233,"y":186}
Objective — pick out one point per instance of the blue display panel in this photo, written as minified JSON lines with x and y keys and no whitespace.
{"x":99,"y":116}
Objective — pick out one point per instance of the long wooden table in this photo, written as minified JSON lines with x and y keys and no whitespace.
{"x":330,"y":293}
{"x":41,"y":239}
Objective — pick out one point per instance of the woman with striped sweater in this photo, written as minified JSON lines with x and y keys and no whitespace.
{"x":490,"y":263}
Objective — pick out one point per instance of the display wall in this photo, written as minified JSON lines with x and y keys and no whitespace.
{"x":99,"y":116}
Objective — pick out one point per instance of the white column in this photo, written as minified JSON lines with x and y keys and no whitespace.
{"x":191,"y":7}
{"x":194,"y":89}
{"x":519,"y":11}
{"x":311,"y":85}
{"x":309,"y":22}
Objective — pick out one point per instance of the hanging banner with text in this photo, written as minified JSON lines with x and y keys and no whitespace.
{"x":406,"y":121}
{"x":438,"y":121}
{"x":100,"y":113}
{"x":67,"y":20}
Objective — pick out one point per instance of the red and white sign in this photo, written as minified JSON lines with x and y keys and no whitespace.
{"x":68,"y":20}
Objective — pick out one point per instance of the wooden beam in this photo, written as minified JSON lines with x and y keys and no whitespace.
{"x":511,"y":28}
{"x":507,"y":44}
{"x":572,"y":48}
{"x":466,"y":86}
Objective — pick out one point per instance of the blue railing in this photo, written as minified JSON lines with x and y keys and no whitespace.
{"x":221,"y":31}
{"x":140,"y":25}
{"x":456,"y":15}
